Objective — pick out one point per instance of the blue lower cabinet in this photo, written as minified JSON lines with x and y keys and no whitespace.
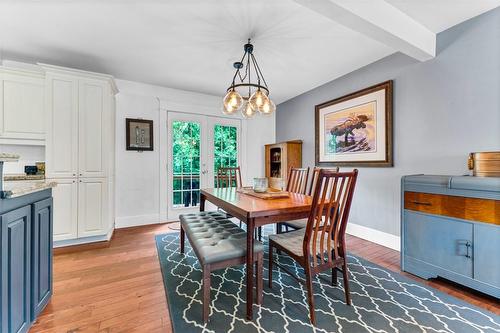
{"x":25,"y":260}
{"x":439,"y":241}
{"x":486,"y":250}
{"x":41,"y":254}
{"x":16,"y":266}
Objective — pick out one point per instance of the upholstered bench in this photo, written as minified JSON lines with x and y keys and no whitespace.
{"x":218,"y":243}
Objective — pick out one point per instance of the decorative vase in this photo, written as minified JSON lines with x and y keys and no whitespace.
{"x":260,"y":185}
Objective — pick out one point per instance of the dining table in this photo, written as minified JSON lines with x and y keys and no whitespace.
{"x":255,"y":212}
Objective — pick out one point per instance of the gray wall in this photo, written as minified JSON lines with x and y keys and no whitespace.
{"x":444,"y":108}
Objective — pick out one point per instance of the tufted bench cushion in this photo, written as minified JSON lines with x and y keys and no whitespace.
{"x":202,"y":215}
{"x":216,"y":240}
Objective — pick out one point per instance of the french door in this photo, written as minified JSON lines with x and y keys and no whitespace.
{"x":197,"y":146}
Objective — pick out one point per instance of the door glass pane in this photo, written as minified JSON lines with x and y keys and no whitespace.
{"x":225,"y":148}
{"x":186,"y":163}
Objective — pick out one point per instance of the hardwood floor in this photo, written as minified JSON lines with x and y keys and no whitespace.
{"x":119,"y":288}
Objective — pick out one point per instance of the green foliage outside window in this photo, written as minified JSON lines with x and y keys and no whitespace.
{"x":225,"y":147}
{"x":186,"y":158}
{"x":186,"y":163}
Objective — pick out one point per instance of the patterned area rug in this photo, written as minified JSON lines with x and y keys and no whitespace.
{"x":382,"y":300}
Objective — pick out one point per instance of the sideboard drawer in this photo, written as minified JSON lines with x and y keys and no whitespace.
{"x":473,"y":209}
{"x":439,"y":241}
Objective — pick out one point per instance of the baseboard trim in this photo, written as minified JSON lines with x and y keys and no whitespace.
{"x":81,"y":247}
{"x":136,"y":221}
{"x":376,"y":236}
{"x":83,"y":244}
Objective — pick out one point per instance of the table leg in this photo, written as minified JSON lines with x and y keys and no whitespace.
{"x":250,"y":267}
{"x":202,"y":202}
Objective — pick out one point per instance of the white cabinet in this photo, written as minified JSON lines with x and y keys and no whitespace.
{"x":65,"y":196}
{"x":62,"y":126}
{"x":22,"y":115}
{"x":92,"y":207}
{"x":94,"y":104}
{"x":79,"y":126}
{"x":80,"y":150}
{"x":82,"y":208}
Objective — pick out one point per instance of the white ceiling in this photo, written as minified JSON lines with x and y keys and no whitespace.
{"x":439,"y":15}
{"x":191,"y":44}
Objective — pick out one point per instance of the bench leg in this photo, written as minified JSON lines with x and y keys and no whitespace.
{"x":260,"y":278}
{"x":270,"y":268}
{"x":183,"y":236}
{"x":206,"y":292}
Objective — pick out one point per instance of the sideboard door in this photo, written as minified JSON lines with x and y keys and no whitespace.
{"x":439,"y":241}
{"x":486,"y":250}
{"x":41,"y":263}
{"x":16,"y":238}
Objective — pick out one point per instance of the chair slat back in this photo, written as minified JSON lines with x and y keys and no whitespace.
{"x":325,"y":231}
{"x":314,"y":178}
{"x":297,"y":180}
{"x":228,"y":177}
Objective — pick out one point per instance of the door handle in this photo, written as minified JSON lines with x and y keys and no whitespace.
{"x":204,"y":172}
{"x":468,"y":248}
{"x":468,"y":245}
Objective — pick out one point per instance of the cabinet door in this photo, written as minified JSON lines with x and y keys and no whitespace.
{"x":41,"y":256}
{"x":439,"y":241}
{"x":486,"y":249}
{"x":94,"y":104}
{"x":16,"y":280}
{"x":92,"y":207}
{"x":62,"y":126}
{"x":22,"y":111}
{"x":65,"y":196}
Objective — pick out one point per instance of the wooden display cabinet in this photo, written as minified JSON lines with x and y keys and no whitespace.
{"x":279,"y":158}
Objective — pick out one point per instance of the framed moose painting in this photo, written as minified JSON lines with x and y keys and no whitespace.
{"x":356,"y":129}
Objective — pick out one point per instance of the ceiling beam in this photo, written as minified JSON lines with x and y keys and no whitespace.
{"x":380,"y":21}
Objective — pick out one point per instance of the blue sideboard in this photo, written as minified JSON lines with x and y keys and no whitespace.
{"x":26,"y":259}
{"x":450,"y":228}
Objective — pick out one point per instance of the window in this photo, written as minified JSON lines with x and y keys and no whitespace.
{"x":225,"y":147}
{"x":186,"y":163}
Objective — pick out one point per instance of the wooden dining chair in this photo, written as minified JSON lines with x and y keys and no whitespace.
{"x":228,"y":177}
{"x":321,"y":245}
{"x":297,"y":180}
{"x":231,"y":177}
{"x":299,"y":224}
{"x":296,"y":183}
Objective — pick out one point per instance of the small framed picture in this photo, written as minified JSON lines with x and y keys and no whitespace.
{"x":139,"y":134}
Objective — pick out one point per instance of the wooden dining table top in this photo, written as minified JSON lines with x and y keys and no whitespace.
{"x":253,"y":207}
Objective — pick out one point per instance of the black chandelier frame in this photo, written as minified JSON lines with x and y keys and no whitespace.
{"x":248,"y":61}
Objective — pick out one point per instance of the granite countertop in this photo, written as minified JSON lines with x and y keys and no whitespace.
{"x":22,"y":177}
{"x":7,"y":157}
{"x":13,"y":189}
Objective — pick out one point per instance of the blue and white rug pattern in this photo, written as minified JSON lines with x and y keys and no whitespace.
{"x":382,"y":300}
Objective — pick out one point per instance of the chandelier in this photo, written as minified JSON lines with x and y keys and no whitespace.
{"x":248,"y":91}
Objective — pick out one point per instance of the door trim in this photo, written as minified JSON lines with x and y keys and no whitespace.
{"x":165,"y":115}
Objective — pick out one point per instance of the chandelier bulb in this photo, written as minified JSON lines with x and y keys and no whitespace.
{"x":258,"y":99}
{"x":232,"y":102}
{"x":268,"y":108}
{"x":248,"y":111}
